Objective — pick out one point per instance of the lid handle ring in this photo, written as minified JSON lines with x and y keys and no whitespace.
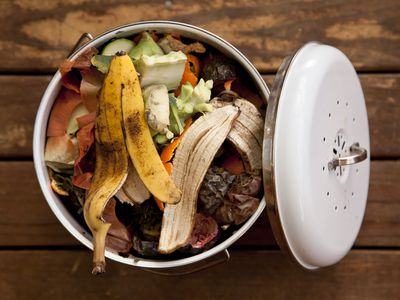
{"x":357,"y":154}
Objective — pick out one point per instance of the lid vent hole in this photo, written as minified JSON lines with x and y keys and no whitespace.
{"x":334,"y":151}
{"x":337,"y":102}
{"x":336,"y":208}
{"x":329,"y":115}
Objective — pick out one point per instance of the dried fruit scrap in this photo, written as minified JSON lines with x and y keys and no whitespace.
{"x":205,"y":230}
{"x":169,"y":43}
{"x":83,"y":165}
{"x":69,"y":77}
{"x":192,"y":159}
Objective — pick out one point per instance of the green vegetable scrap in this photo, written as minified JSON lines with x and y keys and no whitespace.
{"x":176,"y":122}
{"x":146,"y":46}
{"x":161,"y":69}
{"x":118,"y":45}
{"x":192,"y":100}
{"x":101,"y":62}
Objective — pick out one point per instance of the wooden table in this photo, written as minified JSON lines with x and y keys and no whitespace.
{"x":40,"y":260}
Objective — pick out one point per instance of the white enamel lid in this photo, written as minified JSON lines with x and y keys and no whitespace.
{"x":316,"y":156}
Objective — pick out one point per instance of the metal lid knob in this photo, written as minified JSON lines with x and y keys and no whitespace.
{"x":357,"y":154}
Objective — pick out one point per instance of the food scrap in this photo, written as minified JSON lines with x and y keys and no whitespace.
{"x":152,"y":143}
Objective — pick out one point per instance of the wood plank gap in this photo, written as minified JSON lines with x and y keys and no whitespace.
{"x":44,"y":248}
{"x":49,"y":72}
{"x":376,"y":248}
{"x":16,"y":158}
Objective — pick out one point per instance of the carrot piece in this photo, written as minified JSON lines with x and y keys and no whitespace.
{"x":194,"y":63}
{"x":168,"y":167}
{"x":166,"y":154}
{"x":234,"y":164}
{"x":228,"y":84}
{"x":159,"y":204}
{"x":188,"y":76}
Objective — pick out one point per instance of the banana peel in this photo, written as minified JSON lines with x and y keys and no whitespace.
{"x":121,"y":129}
{"x":139,"y":142}
{"x":111,"y":166}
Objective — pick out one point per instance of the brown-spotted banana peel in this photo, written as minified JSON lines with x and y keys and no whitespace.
{"x":111,"y":166}
{"x":139,"y":142}
{"x":121,"y":129}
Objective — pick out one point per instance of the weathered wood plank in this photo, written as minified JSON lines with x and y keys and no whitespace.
{"x":36,"y":35}
{"x":19,"y":97}
{"x":26,"y":220}
{"x":383,"y":105}
{"x":23,"y":93}
{"x":248,"y":275}
{"x":381,"y":225}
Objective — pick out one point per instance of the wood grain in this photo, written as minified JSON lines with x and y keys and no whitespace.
{"x":19,"y":103}
{"x":26,"y":219}
{"x":381,"y":225}
{"x":41,"y":260}
{"x":23,"y":93}
{"x":248,"y":275}
{"x":36,"y":34}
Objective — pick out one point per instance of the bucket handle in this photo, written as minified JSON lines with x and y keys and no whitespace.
{"x":79,"y":42}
